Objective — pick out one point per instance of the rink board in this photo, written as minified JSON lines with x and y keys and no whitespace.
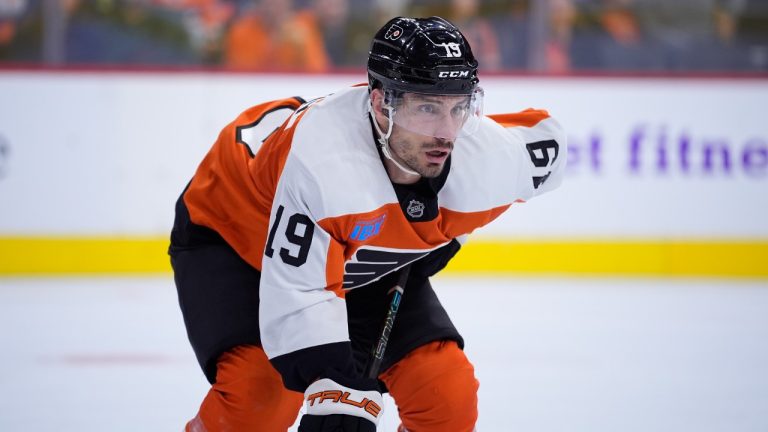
{"x":665,"y":175}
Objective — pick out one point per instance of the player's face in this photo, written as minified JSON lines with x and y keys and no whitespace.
{"x":424,"y":129}
{"x":423,"y":154}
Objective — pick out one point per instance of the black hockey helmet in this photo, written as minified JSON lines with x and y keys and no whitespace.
{"x":422,"y":55}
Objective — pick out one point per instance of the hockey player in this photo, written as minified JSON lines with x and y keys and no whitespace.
{"x":302,"y":216}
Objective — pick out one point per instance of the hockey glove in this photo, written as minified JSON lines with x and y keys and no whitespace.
{"x":332,"y":407}
{"x":435,"y":260}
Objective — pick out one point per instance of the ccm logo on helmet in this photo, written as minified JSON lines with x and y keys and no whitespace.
{"x":337,"y":396}
{"x":453,"y":74}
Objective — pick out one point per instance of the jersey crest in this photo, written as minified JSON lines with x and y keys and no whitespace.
{"x":369,"y":265}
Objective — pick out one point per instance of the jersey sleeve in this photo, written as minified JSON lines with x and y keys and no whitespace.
{"x":541,"y":147}
{"x":302,"y":311}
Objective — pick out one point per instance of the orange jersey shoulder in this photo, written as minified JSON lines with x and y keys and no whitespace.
{"x":528,"y":118}
{"x":231,"y":191}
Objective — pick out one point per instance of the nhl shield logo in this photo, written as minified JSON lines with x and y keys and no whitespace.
{"x":415,"y":209}
{"x":393,"y":32}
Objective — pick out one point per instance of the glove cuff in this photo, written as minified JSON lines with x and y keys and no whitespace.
{"x":327,"y":397}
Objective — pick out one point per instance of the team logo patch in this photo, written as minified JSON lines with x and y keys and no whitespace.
{"x":393,"y":32}
{"x":364,"y":230}
{"x":369,"y":265}
{"x":415,"y":209}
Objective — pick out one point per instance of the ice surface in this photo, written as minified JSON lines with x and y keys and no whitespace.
{"x":551,"y":354}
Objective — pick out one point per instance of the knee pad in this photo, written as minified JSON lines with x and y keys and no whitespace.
{"x":248,"y":394}
{"x":435,"y":389}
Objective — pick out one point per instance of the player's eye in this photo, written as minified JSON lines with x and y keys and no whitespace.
{"x":460,"y":110}
{"x":428,"y":109}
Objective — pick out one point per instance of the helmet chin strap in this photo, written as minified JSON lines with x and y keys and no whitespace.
{"x":383,"y":138}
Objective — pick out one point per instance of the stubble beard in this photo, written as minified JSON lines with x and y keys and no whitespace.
{"x":431,"y":171}
{"x":424,"y":169}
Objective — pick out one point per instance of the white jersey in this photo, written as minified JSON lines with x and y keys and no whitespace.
{"x":314,"y":210}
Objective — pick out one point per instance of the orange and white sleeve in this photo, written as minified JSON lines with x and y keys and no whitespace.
{"x":300,"y":310}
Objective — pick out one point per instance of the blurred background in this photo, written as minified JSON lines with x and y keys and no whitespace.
{"x":632,"y":298}
{"x":555,"y":36}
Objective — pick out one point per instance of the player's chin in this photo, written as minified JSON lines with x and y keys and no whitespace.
{"x":431,"y":170}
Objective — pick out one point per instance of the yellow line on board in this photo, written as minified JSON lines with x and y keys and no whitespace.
{"x":131,"y":255}
{"x":83,"y":255}
{"x":645,"y":258}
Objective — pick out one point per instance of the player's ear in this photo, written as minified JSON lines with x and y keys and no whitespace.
{"x":377,"y":101}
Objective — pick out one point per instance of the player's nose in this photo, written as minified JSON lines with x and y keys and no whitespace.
{"x":447,"y":129}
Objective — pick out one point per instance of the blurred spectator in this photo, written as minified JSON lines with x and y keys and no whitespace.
{"x":270,"y":35}
{"x":752,"y":34}
{"x":20,"y":31}
{"x":205,"y":22}
{"x":478,"y":31}
{"x":10,"y":12}
{"x":7,"y":31}
{"x":104,"y":32}
{"x":331,"y":18}
{"x":689,"y":34}
{"x":619,"y":21}
{"x":315,"y":35}
{"x":561,"y":14}
{"x":541,"y":32}
{"x":608,"y":36}
{"x":384,"y":10}
{"x":512,"y":29}
{"x":363,"y":15}
{"x":123,"y":32}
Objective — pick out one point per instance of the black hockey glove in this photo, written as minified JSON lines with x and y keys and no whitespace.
{"x":335,"y":423}
{"x":333,"y":407}
{"x":436,"y":260}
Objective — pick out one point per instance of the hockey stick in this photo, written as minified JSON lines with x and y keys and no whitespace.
{"x":377,"y":354}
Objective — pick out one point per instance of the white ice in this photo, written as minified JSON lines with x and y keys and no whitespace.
{"x":551,"y":354}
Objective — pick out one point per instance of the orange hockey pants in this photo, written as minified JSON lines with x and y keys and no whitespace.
{"x":434,"y":387}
